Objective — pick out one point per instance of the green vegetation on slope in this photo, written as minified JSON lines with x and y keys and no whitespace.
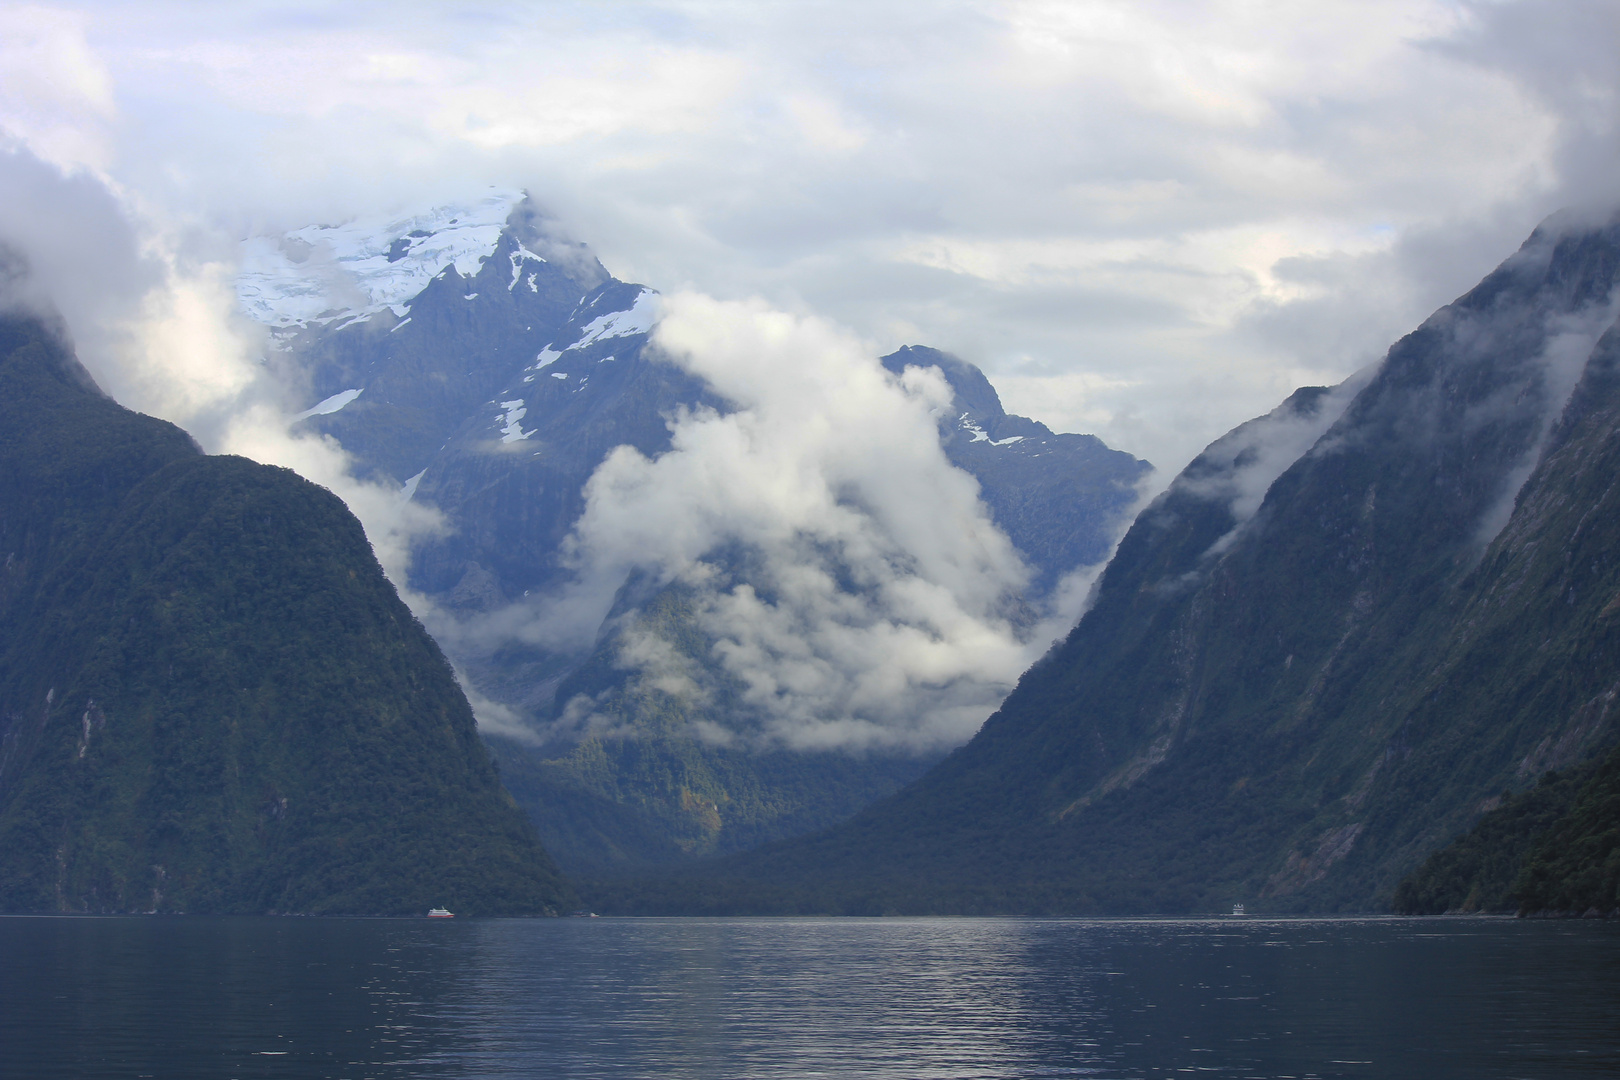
{"x":211,"y":700}
{"x":1554,"y":849}
{"x":1575,"y":868}
{"x":1479,"y":870}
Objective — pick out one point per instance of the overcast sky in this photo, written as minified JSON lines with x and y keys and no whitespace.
{"x":1145,"y":220}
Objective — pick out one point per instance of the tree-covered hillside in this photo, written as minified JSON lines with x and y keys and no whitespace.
{"x":1551,"y":850}
{"x":211,"y":700}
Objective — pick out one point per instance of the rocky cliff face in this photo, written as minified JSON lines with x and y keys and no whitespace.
{"x":211,"y":700}
{"x":1341,"y":632}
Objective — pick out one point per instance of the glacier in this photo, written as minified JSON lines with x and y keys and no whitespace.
{"x":327,"y":273}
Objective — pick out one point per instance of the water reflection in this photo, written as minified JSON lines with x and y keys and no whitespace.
{"x":197,"y":997}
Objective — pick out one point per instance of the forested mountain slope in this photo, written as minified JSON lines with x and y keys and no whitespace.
{"x":1554,"y":849}
{"x":211,"y":700}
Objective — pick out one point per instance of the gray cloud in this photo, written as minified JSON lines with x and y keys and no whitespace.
{"x":82,"y":257}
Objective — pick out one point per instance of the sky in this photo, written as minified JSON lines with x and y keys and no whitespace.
{"x":1149,"y":221}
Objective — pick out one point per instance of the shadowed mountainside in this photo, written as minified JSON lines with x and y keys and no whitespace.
{"x":1320,"y":654}
{"x":211,"y":700}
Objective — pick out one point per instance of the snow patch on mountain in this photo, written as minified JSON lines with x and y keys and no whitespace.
{"x":511,"y":427}
{"x":981,"y":435}
{"x":326,"y":273}
{"x":637,"y":319}
{"x":328,"y":406}
{"x":518,"y":258}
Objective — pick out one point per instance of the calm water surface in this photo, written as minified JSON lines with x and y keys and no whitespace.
{"x":676,"y":998}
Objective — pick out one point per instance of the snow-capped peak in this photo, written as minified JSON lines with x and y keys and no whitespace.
{"x":330,"y":273}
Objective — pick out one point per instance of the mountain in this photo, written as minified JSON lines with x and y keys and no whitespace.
{"x":493,"y":394}
{"x":512,"y":475}
{"x":1318,"y":656}
{"x":211,"y":700}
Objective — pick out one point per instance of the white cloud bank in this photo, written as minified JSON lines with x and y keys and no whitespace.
{"x":881,"y":604}
{"x":882,"y":609}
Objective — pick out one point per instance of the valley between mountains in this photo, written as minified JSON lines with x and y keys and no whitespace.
{"x":753,"y":621}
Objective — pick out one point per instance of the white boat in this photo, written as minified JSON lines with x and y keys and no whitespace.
{"x":1237,"y":909}
{"x":440,"y":913}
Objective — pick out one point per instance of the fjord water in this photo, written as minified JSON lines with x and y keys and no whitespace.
{"x":186,"y":997}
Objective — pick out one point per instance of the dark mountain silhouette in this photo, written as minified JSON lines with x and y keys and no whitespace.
{"x":211,"y":700}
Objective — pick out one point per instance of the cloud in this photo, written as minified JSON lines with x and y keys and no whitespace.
{"x":58,"y":93}
{"x":82,"y":253}
{"x":880,"y":606}
{"x":1239,"y":468}
{"x":1562,"y":55}
{"x":495,"y":718}
{"x":1570,"y":344}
